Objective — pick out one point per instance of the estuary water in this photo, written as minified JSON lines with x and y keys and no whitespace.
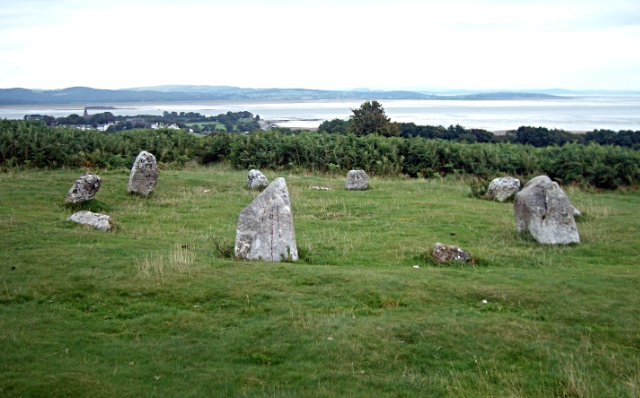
{"x":571,"y":113}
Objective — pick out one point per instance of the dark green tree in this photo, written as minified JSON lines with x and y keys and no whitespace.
{"x":371,"y":119}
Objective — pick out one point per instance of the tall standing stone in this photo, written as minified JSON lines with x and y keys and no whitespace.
{"x":144,"y":174}
{"x":256,"y":180}
{"x":503,"y":188}
{"x":357,"y":180}
{"x":543,"y":209}
{"x":84,"y":189}
{"x":265,"y":228}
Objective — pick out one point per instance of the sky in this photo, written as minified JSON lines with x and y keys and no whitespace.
{"x":585,"y":44}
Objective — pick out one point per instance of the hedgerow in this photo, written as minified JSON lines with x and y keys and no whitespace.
{"x":33,"y":144}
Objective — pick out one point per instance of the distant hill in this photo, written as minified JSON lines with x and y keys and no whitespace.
{"x":504,"y":96}
{"x":179,"y":93}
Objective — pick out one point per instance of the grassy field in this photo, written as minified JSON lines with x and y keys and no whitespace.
{"x":218,"y":126}
{"x":156,"y":309}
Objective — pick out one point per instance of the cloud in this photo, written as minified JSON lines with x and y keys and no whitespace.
{"x":330,"y":44}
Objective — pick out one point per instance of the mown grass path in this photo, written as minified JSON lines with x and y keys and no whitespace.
{"x":153,"y":309}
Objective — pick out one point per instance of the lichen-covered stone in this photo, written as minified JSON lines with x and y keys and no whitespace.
{"x":503,"y":188}
{"x":256,"y":180}
{"x":144,"y":174}
{"x":443,"y":253}
{"x":100,"y":221}
{"x":84,"y":189}
{"x":543,"y":209}
{"x":265,"y":228}
{"x":357,"y":180}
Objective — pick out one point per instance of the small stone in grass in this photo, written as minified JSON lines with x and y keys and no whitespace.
{"x":330,"y":338}
{"x":416,"y":266}
{"x":484,"y":301}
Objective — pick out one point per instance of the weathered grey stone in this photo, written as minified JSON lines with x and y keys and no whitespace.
{"x":357,"y":180}
{"x":537,"y":180}
{"x":84,"y":189}
{"x":265,"y":228}
{"x":256,"y":180}
{"x":543,"y":209}
{"x":576,"y":212}
{"x":443,"y":253}
{"x":144,"y":174}
{"x":503,"y":188}
{"x":100,"y":221}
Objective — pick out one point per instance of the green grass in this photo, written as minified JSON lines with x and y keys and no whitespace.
{"x":218,"y":126}
{"x":153,"y":309}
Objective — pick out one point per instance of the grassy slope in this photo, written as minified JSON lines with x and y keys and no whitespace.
{"x":132,"y":313}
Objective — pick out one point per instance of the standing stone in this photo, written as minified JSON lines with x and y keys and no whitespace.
{"x":84,"y":189}
{"x":256,"y":180}
{"x":443,"y":253}
{"x":100,"y":221}
{"x":503,"y":188}
{"x":265,"y":227}
{"x":144,"y":174}
{"x":543,"y":209}
{"x":357,"y":180}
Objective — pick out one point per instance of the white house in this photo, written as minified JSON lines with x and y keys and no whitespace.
{"x":106,"y":126}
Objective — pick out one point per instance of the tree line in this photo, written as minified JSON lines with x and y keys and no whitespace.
{"x":370,"y":118}
{"x":232,"y":121}
{"x":33,"y":144}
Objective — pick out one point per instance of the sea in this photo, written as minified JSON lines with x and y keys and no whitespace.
{"x":570,"y":113}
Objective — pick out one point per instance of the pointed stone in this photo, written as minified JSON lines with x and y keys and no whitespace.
{"x":84,"y":189}
{"x":265,"y":228}
{"x":357,"y":180}
{"x":256,"y":180}
{"x":144,"y":174}
{"x":543,"y":209}
{"x":100,"y":221}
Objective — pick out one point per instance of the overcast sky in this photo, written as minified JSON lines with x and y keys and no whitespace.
{"x":321,"y":44}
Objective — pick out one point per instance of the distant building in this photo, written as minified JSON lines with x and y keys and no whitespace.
{"x":174,"y":127}
{"x":85,"y":115}
{"x":105,"y":126}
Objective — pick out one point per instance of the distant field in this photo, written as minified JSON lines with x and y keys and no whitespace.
{"x":155,"y":309}
{"x":219,"y":126}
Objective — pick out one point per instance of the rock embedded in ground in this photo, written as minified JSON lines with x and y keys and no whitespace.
{"x":256,"y":180}
{"x":144,"y":174}
{"x":100,"y":221}
{"x":543,"y":209}
{"x":357,"y":180}
{"x":443,"y":253}
{"x":265,"y":228}
{"x":503,"y":188}
{"x":84,"y":189}
{"x":576,"y":212}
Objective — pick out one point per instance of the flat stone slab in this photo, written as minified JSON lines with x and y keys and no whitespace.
{"x":265,"y":228}
{"x":100,"y":221}
{"x":443,"y":253}
{"x":357,"y":180}
{"x":84,"y":189}
{"x":144,"y":174}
